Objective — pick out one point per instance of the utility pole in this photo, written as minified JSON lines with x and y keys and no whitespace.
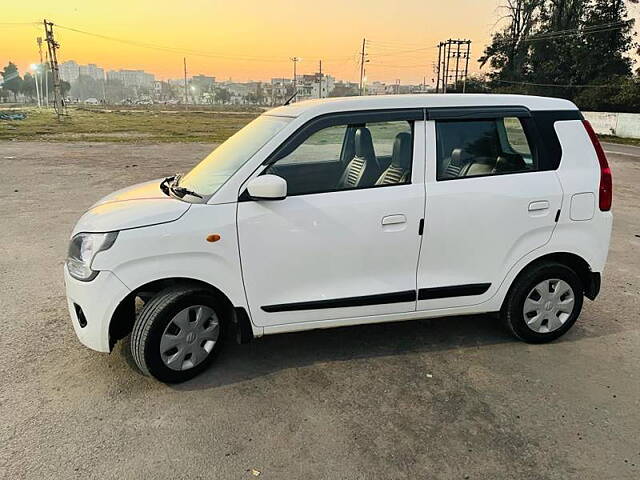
{"x":438,"y":67}
{"x":446,"y":79}
{"x":466,"y":66}
{"x":186,"y":105}
{"x":362,"y":55}
{"x":42,"y":68}
{"x":46,"y":80}
{"x":445,"y":55}
{"x":104,"y":87}
{"x":295,"y":61}
{"x":320,"y":88}
{"x":53,"y":46}
{"x":457,"y":66}
{"x":35,"y":77}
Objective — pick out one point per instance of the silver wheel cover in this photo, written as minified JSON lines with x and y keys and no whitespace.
{"x":189,"y":337}
{"x":548,"y":305}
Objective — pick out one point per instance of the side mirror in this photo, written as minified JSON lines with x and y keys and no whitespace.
{"x":267,"y":187}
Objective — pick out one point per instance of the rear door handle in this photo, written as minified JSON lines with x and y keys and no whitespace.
{"x":393,"y":219}
{"x":539,"y":205}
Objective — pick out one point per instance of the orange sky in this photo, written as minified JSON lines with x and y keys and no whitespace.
{"x":251,"y":39}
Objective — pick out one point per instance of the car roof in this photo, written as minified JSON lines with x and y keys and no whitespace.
{"x":382,"y":102}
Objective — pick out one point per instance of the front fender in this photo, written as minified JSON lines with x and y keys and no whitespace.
{"x":180,"y":250}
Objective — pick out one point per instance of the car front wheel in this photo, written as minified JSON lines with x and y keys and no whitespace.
{"x":177,"y":334}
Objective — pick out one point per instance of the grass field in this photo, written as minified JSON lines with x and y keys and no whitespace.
{"x":100,"y":124}
{"x":125,"y":125}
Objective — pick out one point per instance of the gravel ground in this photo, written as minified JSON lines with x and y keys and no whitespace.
{"x":439,"y":399}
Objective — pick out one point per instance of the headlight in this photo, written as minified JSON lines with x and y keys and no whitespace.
{"x":82,"y":249}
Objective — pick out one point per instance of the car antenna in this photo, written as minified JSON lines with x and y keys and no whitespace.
{"x":291,"y":98}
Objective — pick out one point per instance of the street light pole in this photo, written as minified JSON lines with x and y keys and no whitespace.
{"x":34,"y":67}
{"x":295,"y":60}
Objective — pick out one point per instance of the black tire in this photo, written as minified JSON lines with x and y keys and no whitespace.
{"x":151,"y":323}
{"x":512,"y":311}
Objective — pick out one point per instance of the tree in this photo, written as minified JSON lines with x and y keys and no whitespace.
{"x":508,"y":51}
{"x":564,"y":48}
{"x":11,"y":80}
{"x":222,"y":95}
{"x":86,"y":87}
{"x":28,"y":86}
{"x":607,"y":39}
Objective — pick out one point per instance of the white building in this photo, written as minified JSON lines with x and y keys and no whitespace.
{"x":70,"y":71}
{"x":132,"y":78}
{"x":314,"y":86}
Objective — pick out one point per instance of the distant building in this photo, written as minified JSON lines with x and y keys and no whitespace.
{"x":316,"y":85}
{"x":204,"y":83}
{"x":91,"y":70}
{"x":376,"y":88}
{"x":70,"y":71}
{"x":132,"y":78}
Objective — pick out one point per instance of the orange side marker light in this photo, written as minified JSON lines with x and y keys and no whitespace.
{"x":214,"y":237}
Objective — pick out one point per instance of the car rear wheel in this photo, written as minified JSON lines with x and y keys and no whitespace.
{"x":177,"y":334}
{"x":543,"y":303}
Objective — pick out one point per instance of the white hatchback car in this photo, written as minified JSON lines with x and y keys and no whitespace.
{"x":350,"y":211}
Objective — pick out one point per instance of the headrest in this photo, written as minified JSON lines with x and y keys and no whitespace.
{"x":510,"y":163}
{"x":456,"y":157}
{"x":364,"y":144}
{"x":401,"y":156}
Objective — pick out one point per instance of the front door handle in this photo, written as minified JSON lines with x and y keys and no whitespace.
{"x":393,"y":219}
{"x":539,"y":205}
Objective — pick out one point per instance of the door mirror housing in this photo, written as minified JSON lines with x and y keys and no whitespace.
{"x":267,"y":187}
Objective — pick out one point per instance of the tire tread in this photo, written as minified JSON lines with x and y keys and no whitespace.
{"x":143,"y":323}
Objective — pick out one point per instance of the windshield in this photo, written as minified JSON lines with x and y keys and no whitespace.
{"x":212,"y":172}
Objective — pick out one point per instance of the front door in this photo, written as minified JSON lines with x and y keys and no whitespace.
{"x":344,"y":243}
{"x":490,"y":201}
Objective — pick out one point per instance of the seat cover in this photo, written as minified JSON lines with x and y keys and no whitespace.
{"x":400,"y":167}
{"x":363,"y":169}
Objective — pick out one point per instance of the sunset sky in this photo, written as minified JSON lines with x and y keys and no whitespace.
{"x":250,"y":39}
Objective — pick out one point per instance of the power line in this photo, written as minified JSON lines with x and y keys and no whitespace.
{"x":171,"y":49}
{"x":553,"y":84}
{"x":572,"y":32}
{"x":183,"y":51}
{"x":8,"y":24}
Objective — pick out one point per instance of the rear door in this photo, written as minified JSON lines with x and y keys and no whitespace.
{"x":489,"y":203}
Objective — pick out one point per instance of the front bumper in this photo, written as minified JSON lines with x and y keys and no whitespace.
{"x":95,"y":301}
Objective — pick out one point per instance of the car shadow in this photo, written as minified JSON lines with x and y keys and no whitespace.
{"x":272,"y":353}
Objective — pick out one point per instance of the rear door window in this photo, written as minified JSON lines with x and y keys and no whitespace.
{"x":472,"y":148}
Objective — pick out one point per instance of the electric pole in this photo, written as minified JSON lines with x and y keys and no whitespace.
{"x":35,"y":77}
{"x":466,"y":66}
{"x":445,"y":54}
{"x":186,"y":106}
{"x":438,"y":67}
{"x":42,"y":69}
{"x":295,"y":61}
{"x":362,"y":55}
{"x":46,"y":79}
{"x":52,"y":47}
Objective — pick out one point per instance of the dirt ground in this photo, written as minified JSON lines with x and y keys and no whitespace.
{"x":454,"y":398}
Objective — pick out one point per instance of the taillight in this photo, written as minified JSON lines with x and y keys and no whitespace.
{"x":606,"y":182}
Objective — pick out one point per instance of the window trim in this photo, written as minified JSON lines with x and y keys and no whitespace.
{"x":528,"y":127}
{"x":477,"y":113}
{"x":341,"y":118}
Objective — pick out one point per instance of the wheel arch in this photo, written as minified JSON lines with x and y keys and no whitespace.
{"x":124,"y":315}
{"x":590,"y":280}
